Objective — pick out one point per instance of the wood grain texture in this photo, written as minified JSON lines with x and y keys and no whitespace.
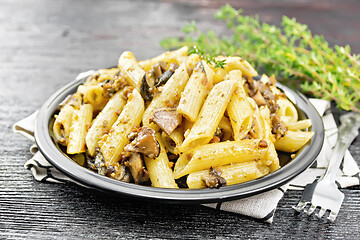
{"x":44,"y":44}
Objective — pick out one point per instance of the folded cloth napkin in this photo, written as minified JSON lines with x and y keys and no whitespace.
{"x":261,"y":206}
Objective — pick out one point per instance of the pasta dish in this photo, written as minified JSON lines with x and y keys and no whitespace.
{"x":178,"y":121}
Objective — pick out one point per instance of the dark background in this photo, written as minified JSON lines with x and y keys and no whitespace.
{"x":45,"y":44}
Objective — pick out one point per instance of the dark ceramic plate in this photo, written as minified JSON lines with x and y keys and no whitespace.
{"x":290,"y":169}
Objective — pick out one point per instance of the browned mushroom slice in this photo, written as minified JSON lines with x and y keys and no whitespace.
{"x":161,"y":80}
{"x":259,"y":99}
{"x":278,"y":127}
{"x":120,"y":172}
{"x":168,"y":120}
{"x":137,"y":169}
{"x":214,"y":179}
{"x":145,"y":143}
{"x":145,"y":89}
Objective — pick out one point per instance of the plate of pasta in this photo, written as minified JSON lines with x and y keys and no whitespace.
{"x":178,"y":128}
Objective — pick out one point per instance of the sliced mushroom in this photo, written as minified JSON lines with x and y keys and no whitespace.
{"x":145,"y":90}
{"x":121,"y":173}
{"x":259,"y":99}
{"x":137,"y":169}
{"x":166,"y":75}
{"x":144,"y":142}
{"x":167,"y":119}
{"x":278,"y":127}
{"x":99,"y":163}
{"x":214,"y":180}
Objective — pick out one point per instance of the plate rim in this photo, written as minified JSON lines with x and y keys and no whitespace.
{"x":91,"y":179}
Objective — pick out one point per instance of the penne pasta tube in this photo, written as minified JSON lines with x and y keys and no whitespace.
{"x":196,"y":90}
{"x":170,"y":56}
{"x":101,"y":75}
{"x":219,"y":154}
{"x":173,"y":141}
{"x":211,"y":113}
{"x":190,"y":61}
{"x":263,"y":170}
{"x":239,"y":109}
{"x":74,"y":101}
{"x":225,"y":127}
{"x":112,"y":144}
{"x":273,"y":158}
{"x":293,"y":141}
{"x":258,"y":128}
{"x":299,"y":125}
{"x":237,"y":75}
{"x":159,"y":169}
{"x":238,"y":63}
{"x":93,"y":95}
{"x":186,"y":125}
{"x":287,"y":111}
{"x":169,"y":96}
{"x":81,"y":121}
{"x":131,"y":69}
{"x":62,"y":124}
{"x":232,"y":174}
{"x":219,"y":75}
{"x":266,"y":123}
{"x":264,"y":120}
{"x":104,"y":121}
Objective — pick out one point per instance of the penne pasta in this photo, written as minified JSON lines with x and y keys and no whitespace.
{"x":272,"y":159}
{"x":218,"y":154}
{"x":239,"y":109}
{"x":196,"y":90}
{"x":238,"y":63}
{"x":265,"y":122}
{"x":190,"y":61}
{"x":160,"y":172}
{"x":62,"y":124}
{"x":81,"y":121}
{"x":225,"y":128}
{"x":104,"y":121}
{"x":131,"y":69}
{"x":171,"y":56}
{"x":232,"y":174}
{"x":293,"y":141}
{"x":258,"y":128}
{"x":93,"y":95}
{"x":169,"y":96}
{"x":287,"y":110}
{"x":210,"y":115}
{"x":112,"y":144}
{"x":299,"y":125}
{"x":100,"y":76}
{"x":219,"y":75}
{"x":173,"y":141}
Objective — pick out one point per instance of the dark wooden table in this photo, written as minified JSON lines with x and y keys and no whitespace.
{"x":44,"y":44}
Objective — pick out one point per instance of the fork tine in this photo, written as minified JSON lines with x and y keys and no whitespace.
{"x":311,"y":210}
{"x":332,"y":216}
{"x":321,"y":213}
{"x":300,"y":206}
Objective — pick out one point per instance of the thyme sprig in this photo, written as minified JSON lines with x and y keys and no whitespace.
{"x":209,"y":58}
{"x":291,"y":52}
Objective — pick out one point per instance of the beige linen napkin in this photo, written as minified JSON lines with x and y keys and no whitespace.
{"x":261,"y":206}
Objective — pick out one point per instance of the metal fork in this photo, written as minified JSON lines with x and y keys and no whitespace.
{"x":324,"y":193}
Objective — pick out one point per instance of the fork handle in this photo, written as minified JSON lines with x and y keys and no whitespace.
{"x":346,"y":134}
{"x":335,"y":161}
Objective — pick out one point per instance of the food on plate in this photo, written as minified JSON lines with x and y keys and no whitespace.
{"x":178,"y":120}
